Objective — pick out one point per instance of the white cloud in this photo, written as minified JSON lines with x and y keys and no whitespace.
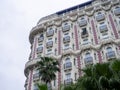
{"x":17,"y":17}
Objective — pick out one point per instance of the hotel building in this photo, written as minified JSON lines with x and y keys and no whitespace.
{"x":85,"y":34}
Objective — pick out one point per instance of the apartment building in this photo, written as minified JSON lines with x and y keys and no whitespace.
{"x":84,"y":34}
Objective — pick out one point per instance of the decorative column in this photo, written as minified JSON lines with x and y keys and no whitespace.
{"x":59,"y":42}
{"x":33,"y":57}
{"x":96,"y":40}
{"x":113,"y":27}
{"x":76,"y":37}
{"x":34,"y":48}
{"x":79,"y":66}
{"x":59,"y":53}
{"x":77,"y":48}
{"x":30,"y":79}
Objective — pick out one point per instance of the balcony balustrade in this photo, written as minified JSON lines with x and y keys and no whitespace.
{"x":103,"y":28}
{"x":66,"y":39}
{"x":67,"y":50}
{"x":49,"y":44}
{"x":68,"y":81}
{"x":50,"y":33}
{"x":117,"y":11}
{"x":88,"y":60}
{"x":68,"y":65}
{"x":100,"y":17}
{"x":82,"y":23}
{"x":110,"y":55}
{"x":39,"y":49}
{"x":66,"y":28}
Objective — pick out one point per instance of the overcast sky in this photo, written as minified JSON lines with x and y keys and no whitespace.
{"x":17,"y":17}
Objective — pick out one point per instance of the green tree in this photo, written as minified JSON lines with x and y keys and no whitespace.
{"x":42,"y":86}
{"x":101,"y":76}
{"x":47,"y":67}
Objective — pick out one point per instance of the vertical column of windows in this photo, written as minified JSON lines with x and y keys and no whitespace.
{"x":59,"y":52}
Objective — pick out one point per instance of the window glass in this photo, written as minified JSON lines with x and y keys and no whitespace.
{"x":68,"y":76}
{"x":87,"y":55}
{"x":35,"y":87}
{"x":67,"y":60}
{"x":66,"y":46}
{"x":109,"y":49}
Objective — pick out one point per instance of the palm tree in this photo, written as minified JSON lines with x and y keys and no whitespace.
{"x":95,"y":76}
{"x":101,"y":76}
{"x":89,"y":80}
{"x":115,"y":80}
{"x":42,"y":86}
{"x":47,"y":67}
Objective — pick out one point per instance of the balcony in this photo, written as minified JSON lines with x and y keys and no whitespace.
{"x":49,"y":44}
{"x":100,"y":17}
{"x":103,"y":28}
{"x":117,"y":11}
{"x":68,"y":81}
{"x":50,"y":33}
{"x":66,"y":28}
{"x":67,"y":50}
{"x":82,"y":23}
{"x":88,"y":60}
{"x":36,"y":76}
{"x":68,"y":66}
{"x":39,"y":49}
{"x":40,"y":39}
{"x":110,"y":55}
{"x":66,"y":39}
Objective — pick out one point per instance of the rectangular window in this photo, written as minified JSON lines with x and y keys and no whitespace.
{"x":49,"y":51}
{"x":66,"y":34}
{"x":66,"y":46}
{"x":68,"y":76}
{"x":84,"y":31}
{"x":35,"y":87}
{"x":40,"y":45}
{"x":49,"y":39}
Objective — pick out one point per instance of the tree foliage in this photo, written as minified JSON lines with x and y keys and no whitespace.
{"x":101,"y":76}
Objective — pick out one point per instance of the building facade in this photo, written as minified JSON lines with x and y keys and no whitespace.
{"x":85,"y":34}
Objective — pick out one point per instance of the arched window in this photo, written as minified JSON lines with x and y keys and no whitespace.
{"x":67,"y":60}
{"x":99,"y":13}
{"x":87,"y":54}
{"x":67,"y":64}
{"x":109,"y":49}
{"x":88,"y":58}
{"x":66,"y":23}
{"x":82,"y":18}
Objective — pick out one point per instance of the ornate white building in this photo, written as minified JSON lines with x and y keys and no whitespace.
{"x":85,"y":34}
